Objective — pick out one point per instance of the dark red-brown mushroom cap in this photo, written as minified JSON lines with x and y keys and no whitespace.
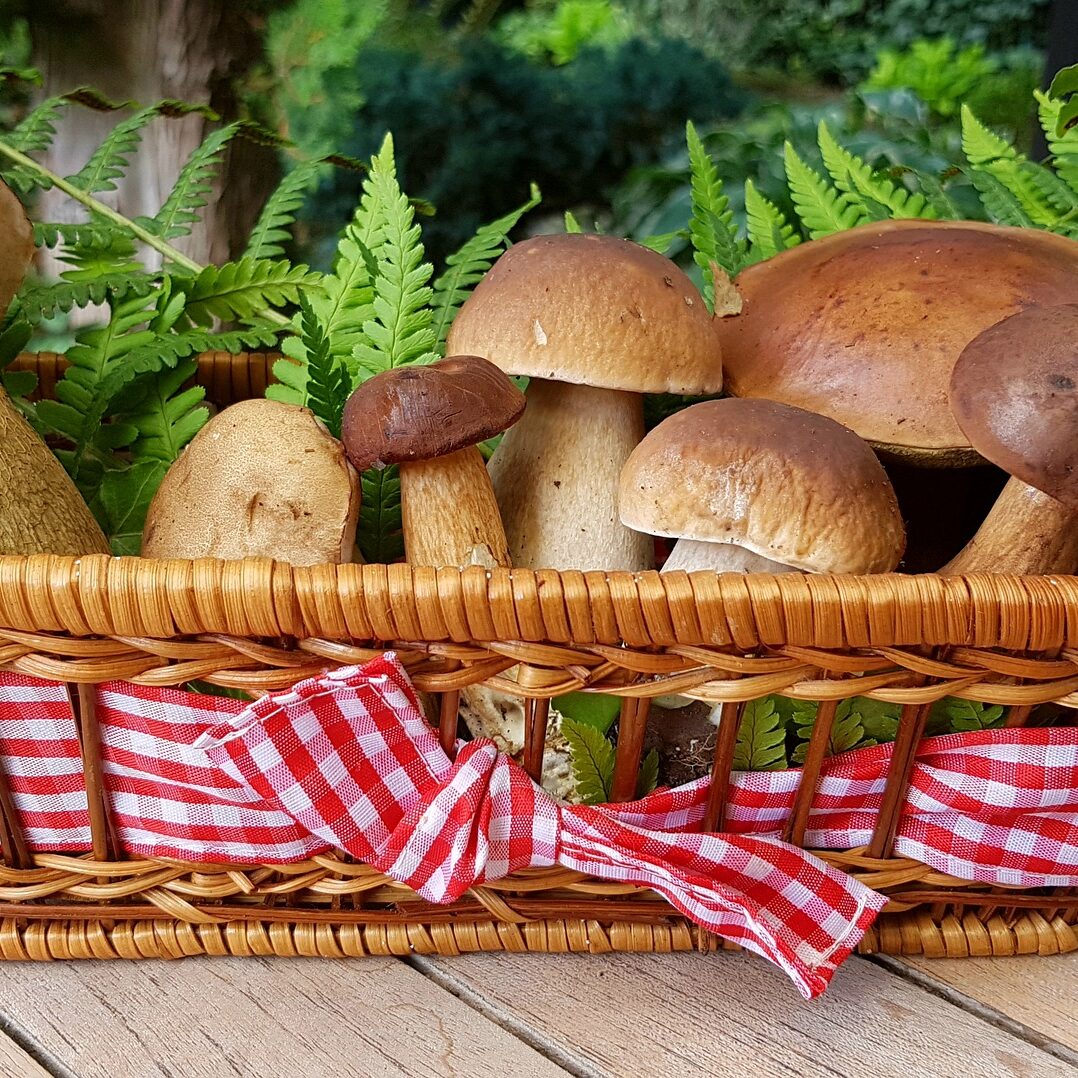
{"x":418,"y":413}
{"x":1014,"y":392}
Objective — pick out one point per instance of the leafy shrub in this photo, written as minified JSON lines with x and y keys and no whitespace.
{"x":558,"y":34}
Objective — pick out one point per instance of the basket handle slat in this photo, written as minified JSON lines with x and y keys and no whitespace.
{"x":103,"y":838}
{"x":12,"y":840}
{"x":729,"y":724}
{"x":536,"y":720}
{"x":797,"y":823}
{"x":632,"y":729}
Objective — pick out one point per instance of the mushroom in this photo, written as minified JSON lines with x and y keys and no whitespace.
{"x":755,"y":486}
{"x":261,"y":479}
{"x":429,"y":420}
{"x":594,"y":322}
{"x":1014,"y":392}
{"x":866,"y":325}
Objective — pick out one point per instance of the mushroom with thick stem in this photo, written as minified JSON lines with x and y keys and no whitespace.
{"x":1014,"y":392}
{"x":428,"y":420}
{"x":865,"y":326}
{"x":594,"y":322}
{"x":757,"y":486}
{"x":262,"y":479}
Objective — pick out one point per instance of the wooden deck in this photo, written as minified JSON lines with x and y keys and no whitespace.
{"x":650,"y":1016}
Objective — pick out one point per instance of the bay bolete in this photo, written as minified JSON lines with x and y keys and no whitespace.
{"x":758,"y":486}
{"x":866,"y":325}
{"x":1014,"y":391}
{"x":261,"y":479}
{"x":429,"y":421}
{"x":594,"y":322}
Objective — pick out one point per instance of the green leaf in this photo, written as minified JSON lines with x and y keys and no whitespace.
{"x":244,"y":289}
{"x":272,"y":230}
{"x":466,"y":267}
{"x":761,"y":738}
{"x":111,"y":159}
{"x":649,"y":774}
{"x":847,"y":731}
{"x":591,"y":709}
{"x":769,"y":231}
{"x":572,"y":225}
{"x":1064,"y":82}
{"x":379,"y":534}
{"x":662,"y":242}
{"x":125,"y":497}
{"x":822,"y":208}
{"x":951,"y":715}
{"x":78,"y":234}
{"x":16,"y":384}
{"x":711,"y":226}
{"x":291,"y":384}
{"x":328,"y":384}
{"x":33,"y":134}
{"x":41,"y":301}
{"x":980,"y":144}
{"x":592,"y":761}
{"x":166,"y":415}
{"x":1000,"y":204}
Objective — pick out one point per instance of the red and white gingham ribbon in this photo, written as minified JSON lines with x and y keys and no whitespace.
{"x":346,"y":760}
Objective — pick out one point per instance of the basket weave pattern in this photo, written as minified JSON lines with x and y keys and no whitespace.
{"x":261,"y":626}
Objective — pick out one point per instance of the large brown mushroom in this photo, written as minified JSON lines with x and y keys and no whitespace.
{"x":757,"y":486}
{"x":594,"y":322}
{"x":261,"y":479}
{"x":41,"y":510}
{"x":866,"y":325}
{"x":1014,"y":391}
{"x":429,"y":421}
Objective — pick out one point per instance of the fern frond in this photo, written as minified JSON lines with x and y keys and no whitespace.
{"x":80,"y":234}
{"x":41,"y":301}
{"x":572,"y":225}
{"x":193,"y":186}
{"x":291,"y":374}
{"x":111,"y":159}
{"x":822,"y":209}
{"x":241,"y":290}
{"x":761,"y":738}
{"x":165,"y":415}
{"x":769,"y":231}
{"x":401,"y":329}
{"x":980,"y":144}
{"x":379,"y":533}
{"x":932,"y":188}
{"x":1000,"y":204}
{"x":1062,"y":147}
{"x":33,"y":134}
{"x":328,"y":383}
{"x":271,"y":230}
{"x":467,"y":266}
{"x":711,"y":226}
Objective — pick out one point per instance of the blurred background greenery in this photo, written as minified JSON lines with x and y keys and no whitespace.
{"x":587,"y":98}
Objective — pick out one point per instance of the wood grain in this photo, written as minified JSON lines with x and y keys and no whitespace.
{"x":15,"y":1063}
{"x":253,"y":1017}
{"x":656,"y":1016}
{"x":1038,"y":993}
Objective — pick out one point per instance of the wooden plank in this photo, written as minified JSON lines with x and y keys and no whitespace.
{"x":1038,"y":994}
{"x":15,"y":1063}
{"x":657,"y":1016}
{"x":257,"y":1017}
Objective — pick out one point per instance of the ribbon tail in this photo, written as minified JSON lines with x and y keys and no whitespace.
{"x":760,"y":893}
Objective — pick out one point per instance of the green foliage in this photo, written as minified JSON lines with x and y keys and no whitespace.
{"x":761,"y":738}
{"x":939,"y":72}
{"x":558,"y":34}
{"x":768,"y":230}
{"x":273,"y":228}
{"x":328,"y":385}
{"x":589,"y":708}
{"x":240,"y":290}
{"x":823,"y":209}
{"x":592,"y":758}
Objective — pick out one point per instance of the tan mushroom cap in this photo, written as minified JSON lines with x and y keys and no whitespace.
{"x":592,"y":310}
{"x":789,"y":485}
{"x":1014,"y":391}
{"x":865,"y":326}
{"x":18,"y":248}
{"x":261,"y":479}
{"x":419,"y":413}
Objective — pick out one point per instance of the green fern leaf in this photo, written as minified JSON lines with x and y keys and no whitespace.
{"x":193,"y":186}
{"x":591,"y":757}
{"x":41,"y":301}
{"x":111,"y":159}
{"x":33,"y":134}
{"x":769,"y":231}
{"x":822,"y":209}
{"x":80,"y":234}
{"x":980,"y":144}
{"x":16,"y":384}
{"x":272,"y":230}
{"x":379,"y":533}
{"x":467,"y":266}
{"x":241,"y":290}
{"x":125,"y":496}
{"x":1063,"y":147}
{"x":847,"y":732}
{"x":649,"y":774}
{"x":572,"y":225}
{"x":711,"y":226}
{"x":932,"y":188}
{"x":761,"y":738}
{"x":328,"y":384}
{"x":291,"y":375}
{"x":1050,"y":188}
{"x":166,"y":415}
{"x":401,"y":330}
{"x":662,"y":242}
{"x":951,"y":715}
{"x":999,"y":203}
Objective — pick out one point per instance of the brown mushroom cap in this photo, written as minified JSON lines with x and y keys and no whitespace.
{"x":261,"y":479}
{"x":786,"y":484}
{"x":18,"y":246}
{"x":419,"y":413}
{"x":592,"y":310}
{"x":865,"y":326}
{"x":1014,"y":391}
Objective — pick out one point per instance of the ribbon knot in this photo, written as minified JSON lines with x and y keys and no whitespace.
{"x":350,"y":758}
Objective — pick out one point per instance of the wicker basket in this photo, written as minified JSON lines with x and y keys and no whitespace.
{"x":261,"y":626}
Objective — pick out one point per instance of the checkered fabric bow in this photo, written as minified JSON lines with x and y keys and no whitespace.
{"x":350,"y":758}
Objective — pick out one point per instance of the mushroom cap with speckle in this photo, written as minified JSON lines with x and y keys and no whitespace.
{"x":1014,"y":391}
{"x":592,"y":310}
{"x":787,"y":484}
{"x":422,"y":412}
{"x":866,"y":325}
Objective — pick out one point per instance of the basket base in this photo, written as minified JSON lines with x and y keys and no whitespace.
{"x":917,"y":933}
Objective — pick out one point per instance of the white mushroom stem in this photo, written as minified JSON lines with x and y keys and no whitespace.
{"x":1026,"y":532}
{"x":556,"y":473}
{"x":449,"y":512}
{"x":691,"y":555}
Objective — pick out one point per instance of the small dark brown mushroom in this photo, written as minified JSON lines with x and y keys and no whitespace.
{"x":1014,"y":393}
{"x":429,"y":420}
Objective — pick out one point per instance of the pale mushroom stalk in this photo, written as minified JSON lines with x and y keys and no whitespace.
{"x":692,"y":555}
{"x":555,"y":475}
